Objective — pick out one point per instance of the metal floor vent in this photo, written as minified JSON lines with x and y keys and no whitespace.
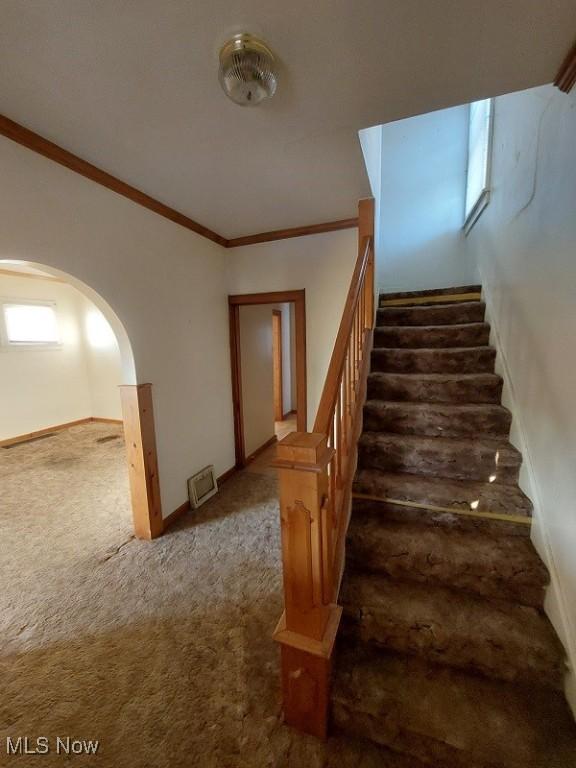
{"x":29,"y":440}
{"x":107,"y":438}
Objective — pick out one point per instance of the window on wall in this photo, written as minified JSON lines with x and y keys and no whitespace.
{"x":479,"y":155}
{"x":30,"y":323}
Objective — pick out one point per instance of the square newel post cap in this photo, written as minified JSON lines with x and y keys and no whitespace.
{"x":303,"y":450}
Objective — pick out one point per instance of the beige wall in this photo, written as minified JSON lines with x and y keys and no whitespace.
{"x":525,"y":247}
{"x":165,"y":285}
{"x":164,"y":289}
{"x":323,"y":266}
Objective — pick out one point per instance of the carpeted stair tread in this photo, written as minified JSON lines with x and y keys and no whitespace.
{"x":435,"y":387}
{"x":483,"y":459}
{"x":432,"y":336}
{"x":436,"y":419}
{"x":453,"y":290}
{"x":475,"y":561}
{"x":491,"y":637}
{"x":448,"y":718}
{"x":437,"y":314}
{"x":454,"y":360}
{"x":444,"y":492}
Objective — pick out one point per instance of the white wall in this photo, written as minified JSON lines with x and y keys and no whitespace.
{"x":43,"y":387}
{"x":46,"y":387}
{"x":322,"y":265}
{"x":103,"y":363}
{"x":420,"y":206}
{"x":166,"y":285}
{"x":257,"y":379}
{"x":525,"y":246}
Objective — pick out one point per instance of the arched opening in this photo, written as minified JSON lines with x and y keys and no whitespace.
{"x":70,"y":404}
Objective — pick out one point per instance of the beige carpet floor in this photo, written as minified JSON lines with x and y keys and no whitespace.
{"x":160,"y":650}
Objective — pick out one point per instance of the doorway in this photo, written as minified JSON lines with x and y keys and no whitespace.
{"x":285,"y":422}
{"x":69,"y":401}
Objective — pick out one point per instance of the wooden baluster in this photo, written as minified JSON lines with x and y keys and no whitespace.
{"x":307,"y":628}
{"x":337,"y":427}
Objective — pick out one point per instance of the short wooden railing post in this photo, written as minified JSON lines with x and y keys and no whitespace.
{"x":366,"y":211}
{"x":307,"y":629}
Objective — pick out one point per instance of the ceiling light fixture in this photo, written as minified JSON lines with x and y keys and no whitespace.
{"x":247,"y":70}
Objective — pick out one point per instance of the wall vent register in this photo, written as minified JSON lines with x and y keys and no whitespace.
{"x":202,"y":486}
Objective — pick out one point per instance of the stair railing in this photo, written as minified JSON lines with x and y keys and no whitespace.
{"x":315,"y":472}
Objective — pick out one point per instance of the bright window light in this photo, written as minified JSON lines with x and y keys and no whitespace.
{"x":31,"y":324}
{"x":98,"y":330}
{"x":479,"y":151}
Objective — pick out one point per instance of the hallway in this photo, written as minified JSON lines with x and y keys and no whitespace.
{"x":162,"y":651}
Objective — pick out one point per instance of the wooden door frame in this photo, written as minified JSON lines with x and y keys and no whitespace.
{"x":277,"y":366}
{"x":298,"y":298}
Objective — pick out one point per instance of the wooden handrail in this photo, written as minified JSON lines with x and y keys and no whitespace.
{"x":315,"y":472}
{"x":333,"y":377}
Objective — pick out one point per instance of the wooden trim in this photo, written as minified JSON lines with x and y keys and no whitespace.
{"x":236,"y":369}
{"x":42,"y":146}
{"x":287,"y":414}
{"x":284,"y":234}
{"x":15,"y":273}
{"x":566,"y":77}
{"x":261,"y":449}
{"x":226,"y":476}
{"x":142,"y":459}
{"x":58,"y":428}
{"x":277,"y":365}
{"x":518,"y":519}
{"x":173,"y":516}
{"x":273,"y":297}
{"x":183,"y":508}
{"x":270,"y":297}
{"x":443,"y":298}
{"x":46,"y":431}
{"x":35,"y":142}
{"x":102,"y":420}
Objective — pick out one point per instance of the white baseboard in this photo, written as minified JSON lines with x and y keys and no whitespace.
{"x":556,"y":602}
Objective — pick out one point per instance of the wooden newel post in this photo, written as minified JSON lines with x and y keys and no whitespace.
{"x":307,"y":629}
{"x":366,"y":229}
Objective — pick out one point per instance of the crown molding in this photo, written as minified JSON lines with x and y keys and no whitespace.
{"x":283,"y":234}
{"x":566,"y":77}
{"x":42,"y":146}
{"x":33,"y":141}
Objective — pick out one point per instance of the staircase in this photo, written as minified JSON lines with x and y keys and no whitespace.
{"x":445,"y":654}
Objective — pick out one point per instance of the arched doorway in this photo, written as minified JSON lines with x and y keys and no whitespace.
{"x":32,"y":322}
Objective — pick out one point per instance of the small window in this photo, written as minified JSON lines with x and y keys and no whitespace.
{"x":31,"y":324}
{"x":479,"y":155}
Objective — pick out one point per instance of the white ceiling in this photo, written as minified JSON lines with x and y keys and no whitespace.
{"x":132,"y":87}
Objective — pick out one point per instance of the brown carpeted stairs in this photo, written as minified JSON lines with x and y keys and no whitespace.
{"x":447,"y":656}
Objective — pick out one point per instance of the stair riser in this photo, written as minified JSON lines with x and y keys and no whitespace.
{"x":435,"y":422}
{"x":472,"y":360}
{"x":431,"y":641}
{"x":391,"y":732}
{"x":451,"y":314}
{"x":458,"y":391}
{"x":475,"y":335}
{"x":456,"y":289}
{"x":503,"y":579}
{"x":426,"y":517}
{"x":478,"y":464}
